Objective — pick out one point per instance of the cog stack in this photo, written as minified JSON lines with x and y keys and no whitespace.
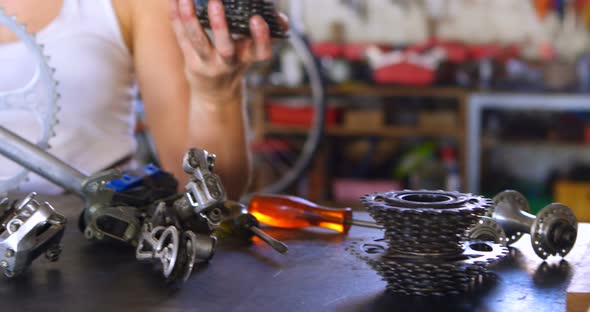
{"x":239,"y":12}
{"x":425,"y":250}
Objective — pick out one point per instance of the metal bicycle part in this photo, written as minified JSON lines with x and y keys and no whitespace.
{"x":204,"y":190}
{"x":39,"y":96}
{"x":202,"y":247}
{"x":474,"y":252}
{"x":553,"y":231}
{"x":38,"y":160}
{"x":118,"y":223}
{"x":177,"y":253}
{"x":194,"y":248}
{"x":27,"y":231}
{"x":159,"y":244}
{"x":238,"y":14}
{"x":425,"y":250}
{"x":487,"y":229}
{"x":429,"y":276}
{"x":100,"y":219}
{"x":508,"y":201}
{"x":425,"y":222}
{"x":291,"y":166}
{"x":189,"y":240}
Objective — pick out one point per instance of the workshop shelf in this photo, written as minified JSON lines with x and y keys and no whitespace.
{"x":362,"y":122}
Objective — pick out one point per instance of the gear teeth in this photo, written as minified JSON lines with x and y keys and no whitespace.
{"x":238,"y":14}
{"x":49,"y":96}
{"x":489,"y":230}
{"x":425,"y":250}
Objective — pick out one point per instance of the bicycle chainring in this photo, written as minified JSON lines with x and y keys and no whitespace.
{"x":39,"y":96}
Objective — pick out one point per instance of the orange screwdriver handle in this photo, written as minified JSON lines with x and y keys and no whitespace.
{"x":292,"y":212}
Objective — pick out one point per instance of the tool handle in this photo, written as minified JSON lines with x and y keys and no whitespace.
{"x":295,"y":213}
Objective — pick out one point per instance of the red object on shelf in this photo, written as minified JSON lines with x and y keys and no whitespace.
{"x":404,"y":73}
{"x":356,"y":52}
{"x":479,"y":52}
{"x":348,"y":51}
{"x":299,"y":115}
{"x":455,"y":52}
{"x":327,"y":49}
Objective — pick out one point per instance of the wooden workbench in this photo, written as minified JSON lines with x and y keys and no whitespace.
{"x":316,"y":275}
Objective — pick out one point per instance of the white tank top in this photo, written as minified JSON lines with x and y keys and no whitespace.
{"x":95,"y":75}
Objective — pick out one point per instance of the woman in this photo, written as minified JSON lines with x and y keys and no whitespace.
{"x":191,"y":84}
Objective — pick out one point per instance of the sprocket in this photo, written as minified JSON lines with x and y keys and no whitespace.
{"x":425,"y":250}
{"x":39,"y":96}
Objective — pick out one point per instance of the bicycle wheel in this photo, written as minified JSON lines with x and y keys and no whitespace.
{"x":283,"y":157}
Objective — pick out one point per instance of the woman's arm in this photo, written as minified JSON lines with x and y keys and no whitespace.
{"x":192,"y":85}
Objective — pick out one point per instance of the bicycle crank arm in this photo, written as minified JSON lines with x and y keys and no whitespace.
{"x":35,"y":159}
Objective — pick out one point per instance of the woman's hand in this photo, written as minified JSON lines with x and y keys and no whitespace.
{"x":214,"y":69}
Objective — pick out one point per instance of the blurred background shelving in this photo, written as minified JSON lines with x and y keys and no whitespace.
{"x":429,"y":94}
{"x":364,"y":117}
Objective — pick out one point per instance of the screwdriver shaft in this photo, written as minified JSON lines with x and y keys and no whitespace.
{"x":363,"y":223}
{"x":275,"y":244}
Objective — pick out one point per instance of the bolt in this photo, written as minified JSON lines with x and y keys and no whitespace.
{"x":215,"y":215}
{"x":9,"y":253}
{"x":193,"y":162}
{"x":214,"y":190}
{"x":92,"y":187}
{"x":14,"y":227}
{"x":53,"y":253}
{"x":88,"y":233}
{"x":562,"y":235}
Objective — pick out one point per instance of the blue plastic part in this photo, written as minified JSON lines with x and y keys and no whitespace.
{"x":129,"y":181}
{"x":151,"y":170}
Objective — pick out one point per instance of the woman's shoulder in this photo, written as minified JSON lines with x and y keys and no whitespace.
{"x":124,"y":10}
{"x":133,"y":14}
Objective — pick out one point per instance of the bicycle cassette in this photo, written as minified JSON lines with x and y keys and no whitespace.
{"x":429,"y":276}
{"x":426,"y":222}
{"x":238,"y":14}
{"x":28,"y":230}
{"x":425,"y":250}
{"x":39,"y":96}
